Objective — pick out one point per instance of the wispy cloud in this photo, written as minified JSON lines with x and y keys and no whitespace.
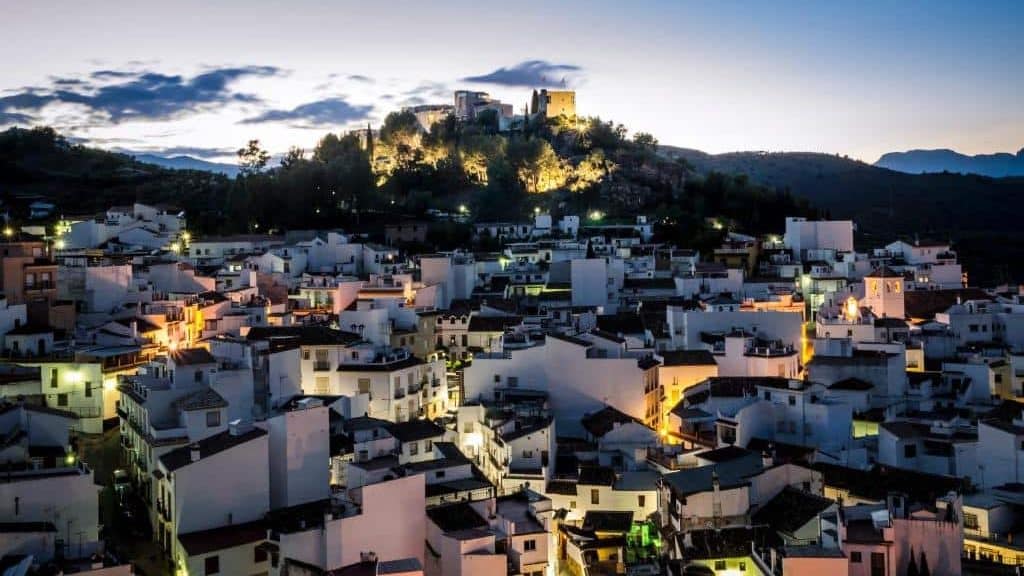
{"x":124,"y":95}
{"x":531,"y":74}
{"x":196,"y":151}
{"x":327,"y":112}
{"x":361,"y":78}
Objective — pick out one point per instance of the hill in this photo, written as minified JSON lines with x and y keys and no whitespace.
{"x":979,"y":213}
{"x":927,"y":161}
{"x":41,"y":163}
{"x":186,"y":163}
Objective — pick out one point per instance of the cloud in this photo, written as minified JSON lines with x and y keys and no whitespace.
{"x":531,"y":74}
{"x":7,"y":118}
{"x":429,"y":90}
{"x":360,"y":78}
{"x":329,"y":111}
{"x":195,"y":151}
{"x":143,"y":95}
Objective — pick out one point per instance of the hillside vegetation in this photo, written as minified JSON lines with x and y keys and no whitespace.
{"x":588,"y":167}
{"x":981,"y":215}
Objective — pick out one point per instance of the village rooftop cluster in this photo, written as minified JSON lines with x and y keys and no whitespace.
{"x":583,"y":401}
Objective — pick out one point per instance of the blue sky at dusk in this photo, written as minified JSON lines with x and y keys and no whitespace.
{"x":857,"y":78}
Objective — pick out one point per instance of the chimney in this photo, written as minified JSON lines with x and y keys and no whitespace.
{"x":238,"y":427}
{"x":194,"y":449}
{"x":766,"y":458}
{"x":135,"y":329}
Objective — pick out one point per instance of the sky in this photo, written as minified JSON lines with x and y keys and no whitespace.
{"x":202,"y":78}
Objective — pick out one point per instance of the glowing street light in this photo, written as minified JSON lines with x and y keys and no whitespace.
{"x":8,"y":231}
{"x":596,"y":215}
{"x":463,"y":209}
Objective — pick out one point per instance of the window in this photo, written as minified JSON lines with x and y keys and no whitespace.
{"x":767,"y":394}
{"x":877,"y":564}
{"x":743,"y":565}
{"x":259,"y":555}
{"x":970,"y":521}
{"x":414,"y":448}
{"x":595,"y":496}
{"x":572,"y":504}
{"x":213,"y":419}
{"x":62,"y":399}
{"x":364,"y":385}
{"x":53,"y":377}
{"x":527,"y":453}
{"x":198,"y":376}
{"x":719,"y":565}
{"x":467,"y":427}
{"x":212,"y":565}
{"x":910,"y":451}
{"x":529,"y":545}
{"x":855,"y":557}
{"x":641,"y":500}
{"x":792,"y":400}
{"x":88,"y":389}
{"x":439,"y":474}
{"x":497,"y":378}
{"x":305,"y":354}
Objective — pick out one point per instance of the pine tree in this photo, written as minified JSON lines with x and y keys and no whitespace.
{"x":534,"y":102}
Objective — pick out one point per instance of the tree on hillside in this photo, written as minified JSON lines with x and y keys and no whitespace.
{"x":252,"y":159}
{"x":645,"y":141}
{"x":537,"y":165}
{"x":332,"y":146}
{"x":292,"y":157}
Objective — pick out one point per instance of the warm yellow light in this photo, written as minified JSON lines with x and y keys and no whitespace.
{"x":463,"y":209}
{"x":73,"y":376}
{"x":59,"y":244}
{"x":69,"y":459}
{"x":109,"y":384}
{"x":175,"y":247}
{"x":8,"y":232}
{"x":596,"y":215}
{"x":186,"y":236}
{"x":852,"y":309}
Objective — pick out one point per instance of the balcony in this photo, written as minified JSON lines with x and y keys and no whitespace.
{"x":399,"y":393}
{"x":321,"y":366}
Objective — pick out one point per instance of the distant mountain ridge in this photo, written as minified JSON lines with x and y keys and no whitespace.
{"x":183,"y":162}
{"x":997,"y":165}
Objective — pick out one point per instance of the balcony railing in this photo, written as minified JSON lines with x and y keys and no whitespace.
{"x":321,"y":366}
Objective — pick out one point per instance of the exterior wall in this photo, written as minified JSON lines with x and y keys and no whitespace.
{"x":799,"y":566}
{"x":69,"y":501}
{"x":230,"y":487}
{"x":78,"y":388}
{"x":589,"y":280}
{"x":592,"y":384}
{"x":236,"y":560}
{"x":401,"y":505}
{"x":1003,"y":455}
{"x":687,"y":325}
{"x":802,"y":235}
{"x":299,"y":457}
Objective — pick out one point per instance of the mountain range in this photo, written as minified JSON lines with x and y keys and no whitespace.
{"x":183,"y":162}
{"x":928,"y":161}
